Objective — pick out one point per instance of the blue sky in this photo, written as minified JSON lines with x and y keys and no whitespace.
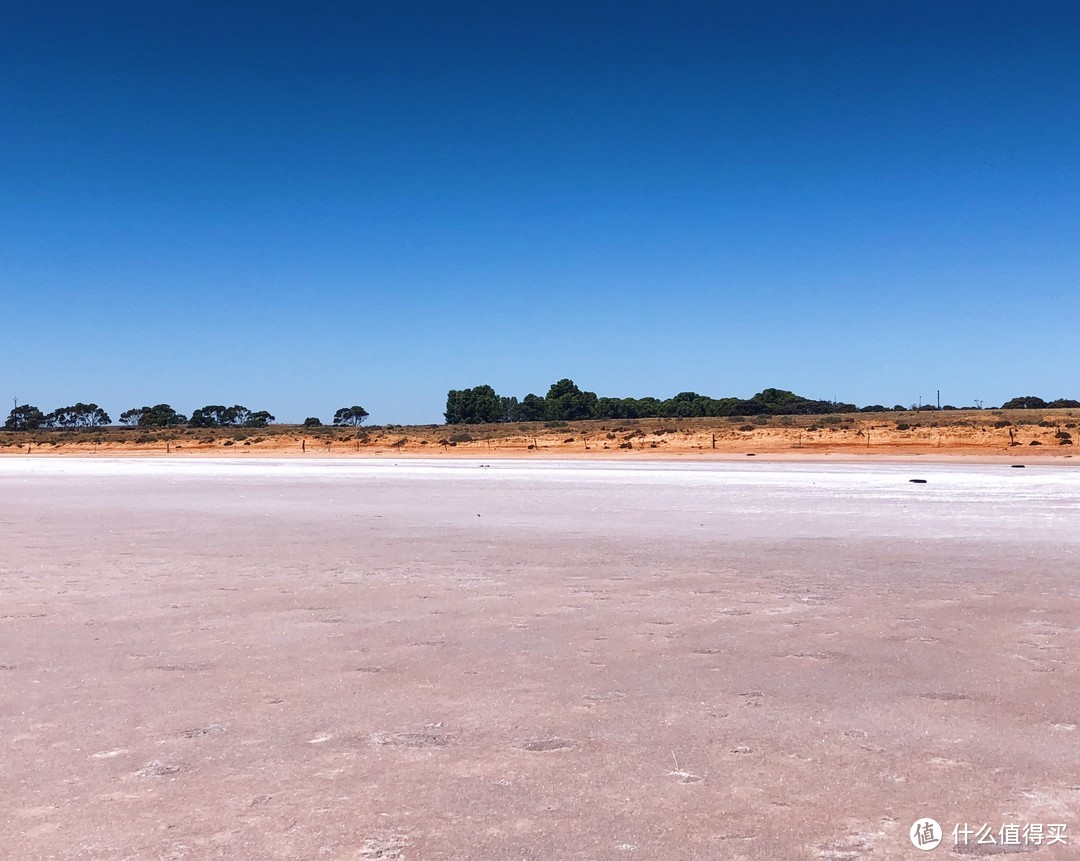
{"x":302,"y":206}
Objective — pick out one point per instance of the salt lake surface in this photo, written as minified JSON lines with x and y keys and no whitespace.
{"x":509,"y":659}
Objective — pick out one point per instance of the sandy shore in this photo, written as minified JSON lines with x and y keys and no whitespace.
{"x":355,"y":659}
{"x":1024,"y":435}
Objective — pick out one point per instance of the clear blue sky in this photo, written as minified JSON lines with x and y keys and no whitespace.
{"x":299,"y":206}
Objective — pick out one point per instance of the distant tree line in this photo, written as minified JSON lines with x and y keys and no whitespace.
{"x":565,"y":401}
{"x":217,"y":416}
{"x":1032,"y":403}
{"x":210,"y":416}
{"x":29,"y":417}
{"x":345,"y":417}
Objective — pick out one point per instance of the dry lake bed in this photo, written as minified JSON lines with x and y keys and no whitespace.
{"x":366,"y":660}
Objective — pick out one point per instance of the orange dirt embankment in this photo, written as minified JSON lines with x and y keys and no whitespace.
{"x":990,"y":433}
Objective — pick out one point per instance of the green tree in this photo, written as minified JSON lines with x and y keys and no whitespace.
{"x":220,"y":416}
{"x":158,"y":416}
{"x":478,"y":405}
{"x":646,"y":408}
{"x":686,"y":405}
{"x":778,"y":402}
{"x":353,"y":416}
{"x":78,"y":416}
{"x":1029,"y":402}
{"x":532,"y":408}
{"x":258,"y":419}
{"x":725,"y":407}
{"x":627,"y":408}
{"x":509,"y":409}
{"x":26,"y":417}
{"x":566,"y":402}
{"x":312,"y":422}
{"x":61,"y":417}
{"x":211,"y":416}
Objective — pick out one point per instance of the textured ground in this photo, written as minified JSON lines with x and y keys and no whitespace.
{"x":353,"y":660}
